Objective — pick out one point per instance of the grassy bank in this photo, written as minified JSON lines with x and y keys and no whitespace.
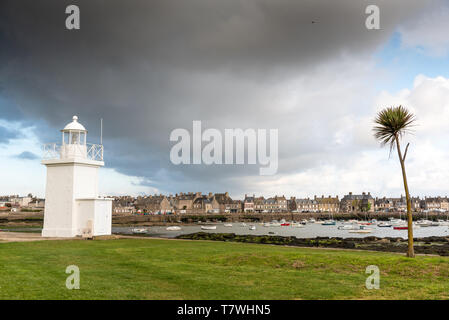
{"x":176,"y":269}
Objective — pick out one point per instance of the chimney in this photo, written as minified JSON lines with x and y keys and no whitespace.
{"x":350,"y":193}
{"x":210,"y":194}
{"x":226,"y":194}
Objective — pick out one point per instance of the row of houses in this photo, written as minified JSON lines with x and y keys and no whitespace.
{"x":196,"y":202}
{"x":222,"y":203}
{"x":16,"y":203}
{"x":428,"y":204}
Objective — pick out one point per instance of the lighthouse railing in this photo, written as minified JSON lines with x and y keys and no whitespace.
{"x":51,"y":151}
{"x":95,"y":152}
{"x":54,"y":151}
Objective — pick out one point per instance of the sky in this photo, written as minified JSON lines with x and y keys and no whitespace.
{"x":310,"y":69}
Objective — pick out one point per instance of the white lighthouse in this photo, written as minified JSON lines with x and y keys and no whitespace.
{"x":72,"y":205}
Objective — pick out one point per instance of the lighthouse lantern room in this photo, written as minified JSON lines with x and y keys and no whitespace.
{"x":72,"y":204}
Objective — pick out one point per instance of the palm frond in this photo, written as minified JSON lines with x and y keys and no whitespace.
{"x":392,"y":123}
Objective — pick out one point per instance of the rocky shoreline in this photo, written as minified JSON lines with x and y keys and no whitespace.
{"x":429,"y":245}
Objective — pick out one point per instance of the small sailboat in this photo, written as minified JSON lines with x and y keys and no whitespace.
{"x":400,"y":227}
{"x":208,"y":227}
{"x":384,"y":225}
{"x":228,"y":225}
{"x":139,"y":230}
{"x":173,"y":228}
{"x":298,"y":225}
{"x":329,"y":223}
{"x":348,"y":227}
{"x":252,"y":227}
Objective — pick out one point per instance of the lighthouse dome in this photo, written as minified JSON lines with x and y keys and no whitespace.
{"x":74,"y":125}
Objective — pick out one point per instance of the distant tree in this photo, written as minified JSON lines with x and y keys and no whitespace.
{"x":368,"y":206}
{"x":391,"y":124}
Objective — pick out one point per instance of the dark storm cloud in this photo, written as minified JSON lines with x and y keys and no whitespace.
{"x":6,"y":134}
{"x":148,"y":67}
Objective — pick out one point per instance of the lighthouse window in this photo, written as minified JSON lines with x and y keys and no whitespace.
{"x":75,"y":138}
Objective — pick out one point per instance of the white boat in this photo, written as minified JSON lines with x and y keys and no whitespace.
{"x":348,"y":227}
{"x":243,"y":224}
{"x":423,"y":223}
{"x":208,"y":227}
{"x":384,"y":225}
{"x":173,"y":228}
{"x":360,"y":229}
{"x":272,"y":224}
{"x":397,"y":222}
{"x":297,"y":225}
{"x":138,"y":230}
{"x":252,"y":227}
{"x":228,"y":224}
{"x":443,"y":222}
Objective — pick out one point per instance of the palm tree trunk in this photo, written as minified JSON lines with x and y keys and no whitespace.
{"x":411,"y":251}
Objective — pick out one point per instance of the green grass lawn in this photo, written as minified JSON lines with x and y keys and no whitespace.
{"x":174,"y":269}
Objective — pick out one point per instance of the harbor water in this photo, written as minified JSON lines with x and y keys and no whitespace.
{"x":310,"y":230}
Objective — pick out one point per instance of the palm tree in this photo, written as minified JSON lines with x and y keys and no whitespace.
{"x":392,"y":124}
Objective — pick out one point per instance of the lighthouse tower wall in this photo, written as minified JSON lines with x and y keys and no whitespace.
{"x":59,"y":202}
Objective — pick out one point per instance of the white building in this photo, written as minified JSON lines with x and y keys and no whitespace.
{"x":72,"y":204}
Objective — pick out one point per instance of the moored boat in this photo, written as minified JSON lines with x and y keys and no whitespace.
{"x":139,"y":230}
{"x":173,"y":228}
{"x":208,"y":227}
{"x":228,"y":224}
{"x":384,"y":225}
{"x":348,"y":227}
{"x":328,"y":223}
{"x":400,"y":227}
{"x":298,"y":225}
